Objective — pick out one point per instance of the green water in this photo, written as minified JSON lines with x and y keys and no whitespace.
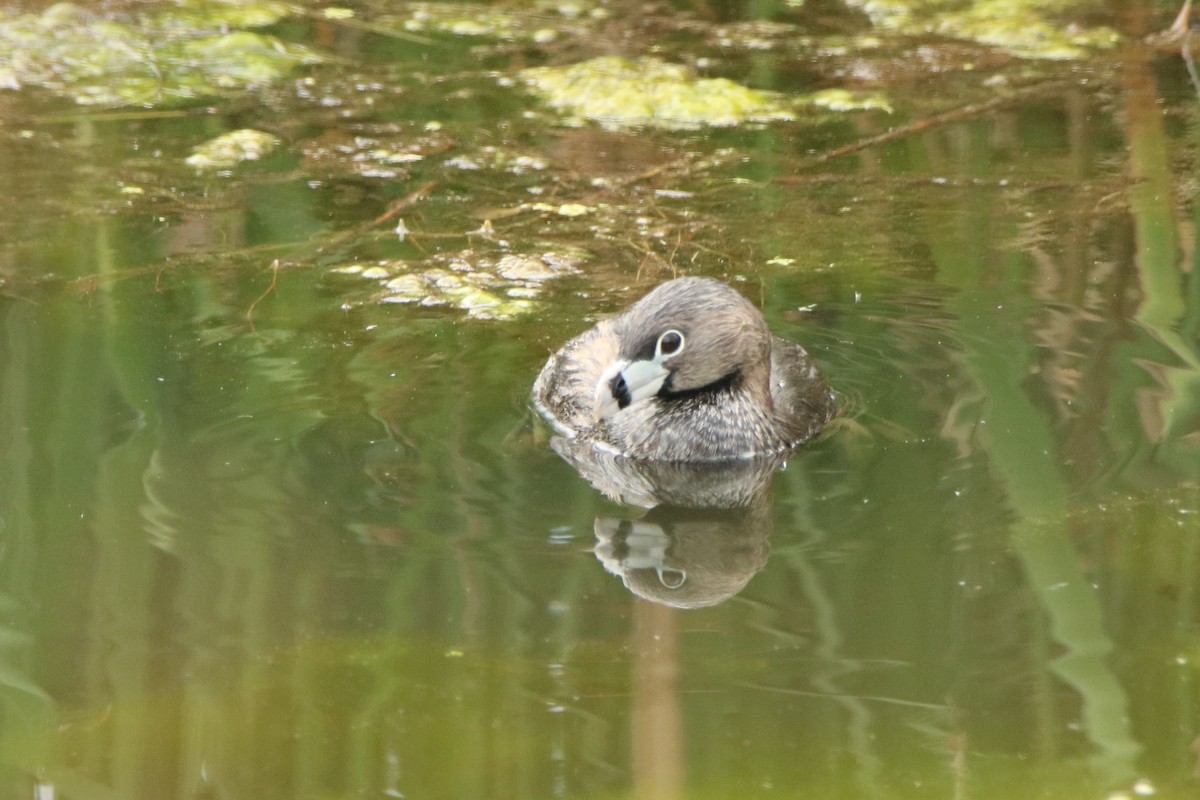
{"x":264,"y":534}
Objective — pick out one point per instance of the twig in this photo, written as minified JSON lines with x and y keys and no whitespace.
{"x":1182,"y":20}
{"x":370,"y":27}
{"x":921,"y":125}
{"x":1180,"y":33}
{"x":392,"y":212}
{"x":832,"y":179}
{"x":837,"y":695}
{"x":1185,"y":50}
{"x":261,"y":297}
{"x":114,"y":116}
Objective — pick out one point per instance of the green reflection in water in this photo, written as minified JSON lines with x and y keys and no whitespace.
{"x":1019,"y":444}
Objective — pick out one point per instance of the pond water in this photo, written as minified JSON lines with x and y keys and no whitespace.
{"x":276,"y":519}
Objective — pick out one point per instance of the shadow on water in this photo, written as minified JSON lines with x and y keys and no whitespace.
{"x":264,"y":529}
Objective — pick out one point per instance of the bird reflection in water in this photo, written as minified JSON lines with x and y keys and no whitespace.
{"x":705,"y":535}
{"x":684,"y":404}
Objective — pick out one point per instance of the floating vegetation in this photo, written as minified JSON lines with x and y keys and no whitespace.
{"x":188,"y":16}
{"x":465,"y":21}
{"x":845,"y":100}
{"x":1017,"y":28}
{"x":499,"y":159}
{"x":619,"y":93}
{"x":564,"y":210}
{"x":163,"y":55}
{"x":484,"y":287}
{"x":381,"y":153}
{"x":230,"y":149}
{"x":758,"y":35}
{"x":544,"y":24}
{"x":1020,"y":27}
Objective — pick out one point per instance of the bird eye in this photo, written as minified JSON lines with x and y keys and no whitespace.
{"x":670,"y":343}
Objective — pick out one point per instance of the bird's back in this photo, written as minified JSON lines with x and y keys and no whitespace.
{"x":803,"y":401}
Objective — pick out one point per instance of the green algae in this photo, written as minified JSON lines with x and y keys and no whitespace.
{"x":619,"y":93}
{"x":381,"y":153}
{"x":483,"y":286}
{"x":499,"y":159}
{"x":846,"y":100}
{"x":1018,"y":28}
{"x":759,"y":35}
{"x":1023,"y":28}
{"x":463,"y":20}
{"x":232,"y":148}
{"x":544,"y":23}
{"x":232,"y":61}
{"x":184,"y":18}
{"x":163,"y":55}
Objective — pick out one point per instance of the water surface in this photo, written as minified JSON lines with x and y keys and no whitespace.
{"x":264,"y":534}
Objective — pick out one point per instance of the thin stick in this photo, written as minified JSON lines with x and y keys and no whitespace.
{"x":113,"y":116}
{"x":921,"y":125}
{"x":834,"y":695}
{"x":358,"y":24}
{"x":261,"y":297}
{"x":1185,"y":50}
{"x":392,"y":212}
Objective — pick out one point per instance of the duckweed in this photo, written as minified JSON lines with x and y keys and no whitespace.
{"x":845,"y":100}
{"x":758,"y":35}
{"x":1018,"y":28}
{"x":482,"y":286}
{"x":480,"y":20}
{"x":189,"y":16}
{"x":383,"y":154}
{"x":164,"y":55}
{"x":619,"y":93}
{"x":230,"y":149}
{"x":1023,"y":28}
{"x":570,"y":209}
{"x":499,"y":159}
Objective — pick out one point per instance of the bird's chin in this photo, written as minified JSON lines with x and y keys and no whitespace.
{"x":625,"y":383}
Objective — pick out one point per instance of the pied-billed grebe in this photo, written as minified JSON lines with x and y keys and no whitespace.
{"x":688,"y":373}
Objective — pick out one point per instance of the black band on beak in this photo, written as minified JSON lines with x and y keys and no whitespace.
{"x":620,"y":392}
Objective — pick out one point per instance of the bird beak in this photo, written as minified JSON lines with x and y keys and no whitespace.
{"x":626,"y":382}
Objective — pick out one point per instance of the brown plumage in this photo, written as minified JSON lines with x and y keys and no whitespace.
{"x":688,"y":373}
